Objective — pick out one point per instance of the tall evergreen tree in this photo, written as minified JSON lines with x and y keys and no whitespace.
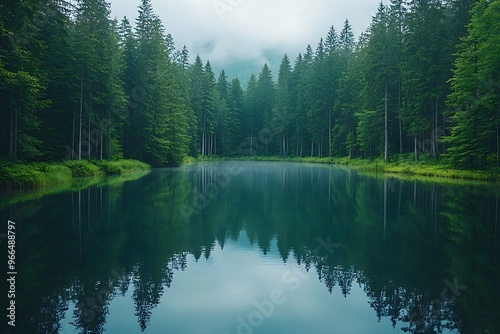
{"x":282,"y":115}
{"x":475,"y":99}
{"x":265,"y":98}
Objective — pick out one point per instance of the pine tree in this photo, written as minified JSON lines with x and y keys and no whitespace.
{"x":379,"y":76}
{"x":253,"y":119}
{"x":426,"y":73}
{"x":475,"y":97}
{"x":265,"y":98}
{"x":282,"y":115}
{"x":21,"y":88}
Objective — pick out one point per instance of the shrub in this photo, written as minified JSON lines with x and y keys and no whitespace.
{"x":83,"y":168}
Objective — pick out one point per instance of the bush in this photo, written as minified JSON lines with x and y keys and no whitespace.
{"x":32,"y":175}
{"x":83,"y":168}
{"x":122,"y":166}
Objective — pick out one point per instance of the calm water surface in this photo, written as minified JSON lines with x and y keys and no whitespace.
{"x":249,"y":247}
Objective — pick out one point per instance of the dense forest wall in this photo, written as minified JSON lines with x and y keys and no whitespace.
{"x":423,"y":80}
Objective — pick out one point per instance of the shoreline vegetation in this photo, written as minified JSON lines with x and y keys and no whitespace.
{"x":43,"y":174}
{"x":426,"y":168}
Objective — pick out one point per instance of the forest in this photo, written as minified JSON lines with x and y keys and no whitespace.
{"x":423,"y":81}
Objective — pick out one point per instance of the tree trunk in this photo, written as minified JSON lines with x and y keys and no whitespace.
{"x":109,"y":139}
{"x":302,"y":146}
{"x":284,"y":145}
{"x":251,"y":142}
{"x":498,"y":143}
{"x":15,"y":136}
{"x":400,"y":137}
{"x":416,"y":149}
{"x":88,"y":138}
{"x":73,"y":137}
{"x":11,"y":134}
{"x":386,"y":126}
{"x":400,"y":121}
{"x":330,"y":135}
{"x":81,"y":118}
{"x":436,"y":131}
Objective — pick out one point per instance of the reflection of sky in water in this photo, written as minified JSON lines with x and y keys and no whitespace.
{"x":210,"y":296}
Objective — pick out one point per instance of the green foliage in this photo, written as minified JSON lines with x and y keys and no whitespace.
{"x":122,"y":166}
{"x":43,"y":174}
{"x":33,"y":175}
{"x":82,"y":86}
{"x":83,"y":168}
{"x":475,"y":96}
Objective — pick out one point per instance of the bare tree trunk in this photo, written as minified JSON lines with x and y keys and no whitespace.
{"x":102,"y":142}
{"x":251,"y":142}
{"x":73,"y":137}
{"x":15,"y":136}
{"x":386,"y":126}
{"x":416,"y":149}
{"x":330,"y":148}
{"x":436,"y":131}
{"x":109,"y":138}
{"x":204,"y":137}
{"x":297,"y":151}
{"x":498,"y":143}
{"x":88,"y":138}
{"x":81,"y":118}
{"x":12,"y":134}
{"x":283,"y":145}
{"x":302,"y":146}
{"x":400,"y":137}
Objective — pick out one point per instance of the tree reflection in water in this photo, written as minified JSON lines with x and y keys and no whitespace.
{"x":399,"y":240}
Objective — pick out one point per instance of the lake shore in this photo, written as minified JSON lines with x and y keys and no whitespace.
{"x":402,"y":166}
{"x":36,"y":175}
{"x":41,"y":174}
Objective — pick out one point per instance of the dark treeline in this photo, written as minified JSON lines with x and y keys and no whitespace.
{"x":422,"y":80}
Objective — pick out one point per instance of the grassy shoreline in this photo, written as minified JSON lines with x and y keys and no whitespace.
{"x":36,"y":175}
{"x":404,"y":166}
{"x":42,"y":174}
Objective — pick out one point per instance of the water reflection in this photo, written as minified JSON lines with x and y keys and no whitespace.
{"x":423,"y":255}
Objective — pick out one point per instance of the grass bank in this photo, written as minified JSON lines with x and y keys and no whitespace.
{"x":399,"y":165}
{"x":41,"y":174}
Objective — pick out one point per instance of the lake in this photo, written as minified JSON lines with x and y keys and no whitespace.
{"x":256,"y":247}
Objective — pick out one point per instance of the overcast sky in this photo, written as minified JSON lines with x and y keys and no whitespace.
{"x":225,"y":31}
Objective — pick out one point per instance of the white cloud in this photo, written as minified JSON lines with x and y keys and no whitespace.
{"x":241,"y":30}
